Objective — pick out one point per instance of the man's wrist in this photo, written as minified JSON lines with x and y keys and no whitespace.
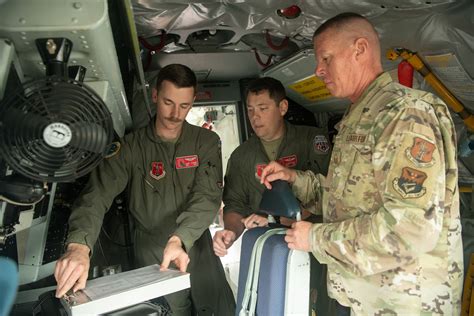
{"x":78,"y":247}
{"x":292,"y":176}
{"x":176,"y":239}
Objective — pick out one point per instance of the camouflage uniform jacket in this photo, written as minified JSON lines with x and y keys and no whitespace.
{"x":302,"y":147}
{"x":392,"y":233}
{"x":167,"y":194}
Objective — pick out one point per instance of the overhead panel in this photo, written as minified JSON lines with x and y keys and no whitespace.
{"x":86,"y":24}
{"x":302,"y":86}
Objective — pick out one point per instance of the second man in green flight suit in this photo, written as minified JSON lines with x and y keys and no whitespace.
{"x":296,"y":147}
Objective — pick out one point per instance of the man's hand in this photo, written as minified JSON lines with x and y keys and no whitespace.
{"x":175,"y":253}
{"x":72,"y":269}
{"x":254,"y":220}
{"x":222,"y":241}
{"x":298,"y":236}
{"x":274,"y":171}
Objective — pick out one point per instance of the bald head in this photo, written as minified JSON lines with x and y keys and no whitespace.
{"x":349,"y":27}
{"x":347,"y":51}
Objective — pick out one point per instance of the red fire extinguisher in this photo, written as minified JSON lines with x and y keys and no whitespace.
{"x":405,"y":73}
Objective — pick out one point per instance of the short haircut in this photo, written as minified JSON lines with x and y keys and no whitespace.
{"x":180,"y":75}
{"x":275,"y":89}
{"x":339,"y":21}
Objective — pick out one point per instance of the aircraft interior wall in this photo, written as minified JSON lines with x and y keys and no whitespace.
{"x":121,"y":46}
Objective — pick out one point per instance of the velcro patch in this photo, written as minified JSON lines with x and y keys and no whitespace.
{"x":113,"y":150}
{"x":421,"y":152}
{"x":320,"y":144}
{"x":157,"y":170}
{"x":288,"y":161}
{"x":258,"y":170}
{"x":356,"y":138}
{"x":410,"y":183}
{"x":185,"y":162}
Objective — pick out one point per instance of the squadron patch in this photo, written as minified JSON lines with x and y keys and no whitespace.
{"x":157,"y":170}
{"x":113,"y":150}
{"x":421,"y":152}
{"x":410,"y":183}
{"x":185,"y":162}
{"x":320,"y":144}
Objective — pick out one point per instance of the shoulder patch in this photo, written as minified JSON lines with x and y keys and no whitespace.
{"x":421,"y":152}
{"x":113,"y":150}
{"x":410,"y":183}
{"x":320,"y":144}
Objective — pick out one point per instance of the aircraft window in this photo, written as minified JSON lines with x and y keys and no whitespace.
{"x":221,"y":119}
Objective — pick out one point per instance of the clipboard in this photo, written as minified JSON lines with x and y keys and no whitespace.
{"x":113,"y":292}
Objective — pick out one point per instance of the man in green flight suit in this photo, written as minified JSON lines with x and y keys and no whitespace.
{"x":173,"y":172}
{"x":391,"y":235}
{"x":301,"y":147}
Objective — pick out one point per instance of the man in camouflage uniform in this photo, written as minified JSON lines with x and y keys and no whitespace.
{"x":173,"y":172}
{"x":392,"y":235}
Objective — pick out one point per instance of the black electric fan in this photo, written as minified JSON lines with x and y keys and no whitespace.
{"x":55,"y":129}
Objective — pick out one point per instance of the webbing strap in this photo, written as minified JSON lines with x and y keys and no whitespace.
{"x":251,"y":284}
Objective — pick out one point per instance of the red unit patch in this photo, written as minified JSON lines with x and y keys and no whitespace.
{"x":258,"y":169}
{"x":185,"y":162}
{"x":157,"y":170}
{"x":288,"y":161}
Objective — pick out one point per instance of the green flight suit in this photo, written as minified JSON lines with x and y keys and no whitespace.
{"x":171,"y":191}
{"x":303,"y":148}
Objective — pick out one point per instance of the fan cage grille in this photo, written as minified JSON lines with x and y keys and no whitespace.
{"x":26,"y":113}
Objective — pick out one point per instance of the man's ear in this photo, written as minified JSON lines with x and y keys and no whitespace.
{"x":154,"y":95}
{"x":283,"y":105}
{"x":361,"y":46}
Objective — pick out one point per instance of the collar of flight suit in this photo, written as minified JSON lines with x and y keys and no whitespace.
{"x":150,"y":132}
{"x":288,"y":134}
{"x":356,"y":110}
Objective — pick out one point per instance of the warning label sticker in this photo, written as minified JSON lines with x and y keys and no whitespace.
{"x":312,"y":89}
